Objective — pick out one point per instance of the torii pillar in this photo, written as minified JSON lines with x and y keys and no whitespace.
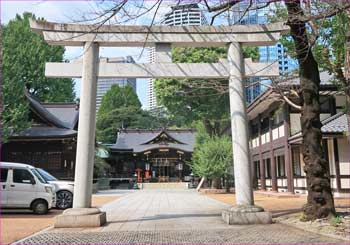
{"x":82,"y":214}
{"x":245,"y":212}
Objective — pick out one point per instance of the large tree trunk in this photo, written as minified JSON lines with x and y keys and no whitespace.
{"x":320,"y":202}
{"x":216,"y":183}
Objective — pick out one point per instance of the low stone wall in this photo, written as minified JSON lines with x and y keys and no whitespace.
{"x":217,"y":191}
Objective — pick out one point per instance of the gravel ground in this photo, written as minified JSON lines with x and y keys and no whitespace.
{"x":338,"y":227}
{"x":287,"y":210}
{"x":278,"y":206}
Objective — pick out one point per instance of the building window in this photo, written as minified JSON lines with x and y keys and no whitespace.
{"x":325,"y":104}
{"x":296,"y":161}
{"x":3,"y":173}
{"x":278,"y":118}
{"x":257,"y":169}
{"x":267,"y":163}
{"x":280,"y":166}
{"x":265,"y":125}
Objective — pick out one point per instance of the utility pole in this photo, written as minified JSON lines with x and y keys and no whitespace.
{"x":347,"y":77}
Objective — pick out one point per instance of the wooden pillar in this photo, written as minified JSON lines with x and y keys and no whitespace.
{"x":273,"y":162}
{"x":336,"y":164}
{"x":287,"y":151}
{"x":261,"y":162}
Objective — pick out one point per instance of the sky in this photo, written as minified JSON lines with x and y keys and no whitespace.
{"x":66,"y":11}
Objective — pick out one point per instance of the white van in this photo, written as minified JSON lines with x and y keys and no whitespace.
{"x":23,"y":187}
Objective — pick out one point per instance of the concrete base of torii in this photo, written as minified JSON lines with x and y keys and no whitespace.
{"x":246,"y":215}
{"x":80,"y":217}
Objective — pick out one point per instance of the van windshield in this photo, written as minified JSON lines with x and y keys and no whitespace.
{"x":41,"y":179}
{"x":46,"y":175}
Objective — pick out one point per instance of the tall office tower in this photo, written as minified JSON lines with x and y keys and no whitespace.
{"x":179,"y":15}
{"x":104,"y":84}
{"x":185,"y":15}
{"x":274,"y":53}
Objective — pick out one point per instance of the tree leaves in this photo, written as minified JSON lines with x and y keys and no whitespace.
{"x":24,"y":56}
{"x":121,"y":109}
{"x":212,"y":157}
{"x":197,"y":99}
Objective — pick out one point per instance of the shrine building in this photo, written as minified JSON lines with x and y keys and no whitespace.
{"x":153,"y":155}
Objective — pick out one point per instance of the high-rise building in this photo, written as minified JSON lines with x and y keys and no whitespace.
{"x":185,"y":15}
{"x":104,"y":84}
{"x":179,"y":15}
{"x":276,"y":53}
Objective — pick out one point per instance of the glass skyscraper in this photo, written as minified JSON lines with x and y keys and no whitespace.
{"x":179,"y":15}
{"x":276,"y":53}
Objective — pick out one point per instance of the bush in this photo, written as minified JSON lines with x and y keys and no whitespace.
{"x":212,"y":157}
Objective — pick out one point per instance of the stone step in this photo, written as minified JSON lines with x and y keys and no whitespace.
{"x":167,"y":185}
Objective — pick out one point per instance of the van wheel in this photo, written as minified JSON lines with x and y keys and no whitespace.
{"x":40,"y":207}
{"x":64,"y":199}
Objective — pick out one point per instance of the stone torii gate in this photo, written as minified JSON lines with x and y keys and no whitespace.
{"x":234,"y":68}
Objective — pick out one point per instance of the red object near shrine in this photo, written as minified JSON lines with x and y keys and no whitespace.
{"x":147,"y":176}
{"x":139,"y":175}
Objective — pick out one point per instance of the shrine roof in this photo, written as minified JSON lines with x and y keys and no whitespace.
{"x":44,"y":133}
{"x":141,"y":140}
{"x":51,"y":120}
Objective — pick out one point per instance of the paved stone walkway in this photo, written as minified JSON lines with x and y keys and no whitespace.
{"x":173,"y":216}
{"x":164,"y":210}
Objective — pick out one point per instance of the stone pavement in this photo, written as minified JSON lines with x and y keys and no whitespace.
{"x":173,"y":216}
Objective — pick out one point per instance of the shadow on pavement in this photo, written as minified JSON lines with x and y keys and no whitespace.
{"x":166,"y":216}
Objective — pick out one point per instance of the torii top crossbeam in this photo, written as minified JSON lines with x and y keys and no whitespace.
{"x":134,"y":36}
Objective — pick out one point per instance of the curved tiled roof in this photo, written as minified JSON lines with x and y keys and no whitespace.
{"x":44,"y":114}
{"x":57,"y":124}
{"x":45,"y":133}
{"x":139,"y":140}
{"x":335,"y":124}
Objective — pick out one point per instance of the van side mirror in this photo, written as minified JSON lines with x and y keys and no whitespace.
{"x":32,"y":180}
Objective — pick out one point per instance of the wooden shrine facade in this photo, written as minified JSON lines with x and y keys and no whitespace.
{"x":158,"y":155}
{"x":50,"y":142}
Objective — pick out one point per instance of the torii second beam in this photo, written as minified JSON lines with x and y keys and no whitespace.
{"x":162,"y":70}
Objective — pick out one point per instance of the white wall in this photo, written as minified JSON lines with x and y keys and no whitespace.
{"x":295,"y":123}
{"x":344,"y":156}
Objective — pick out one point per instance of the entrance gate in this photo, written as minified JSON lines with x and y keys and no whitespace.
{"x":234,"y":68}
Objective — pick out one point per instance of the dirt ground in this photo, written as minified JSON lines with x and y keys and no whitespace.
{"x":278,"y":206}
{"x":19,"y":224}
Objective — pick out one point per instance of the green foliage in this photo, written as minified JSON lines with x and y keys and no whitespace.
{"x":329,"y":47}
{"x":197,"y":99}
{"x":121,"y":108}
{"x":336,"y":220}
{"x":100,"y":167}
{"x":24,"y":57}
{"x":212,"y":157}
